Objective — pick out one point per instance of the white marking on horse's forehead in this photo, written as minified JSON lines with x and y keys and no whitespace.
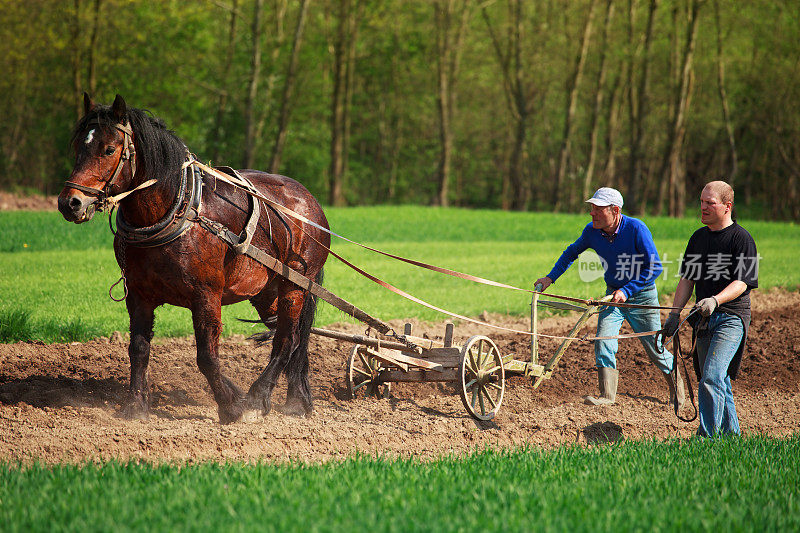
{"x":89,"y":137}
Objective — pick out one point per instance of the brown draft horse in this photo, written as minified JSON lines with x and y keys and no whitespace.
{"x":119,"y":149}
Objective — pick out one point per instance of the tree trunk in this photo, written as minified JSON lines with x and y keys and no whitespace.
{"x":442,"y":14}
{"x":222,"y":103}
{"x":599,"y":95}
{"x":638,"y":111}
{"x":75,"y":34}
{"x":519,"y":98}
{"x":278,"y":37}
{"x":612,"y":119}
{"x":92,"y":67}
{"x":674,"y":88}
{"x":252,"y":88}
{"x":572,"y":101}
{"x":449,"y":38}
{"x":675,"y":172}
{"x":353,"y":19}
{"x":288,"y":87}
{"x":336,"y":171}
{"x":733,"y":166}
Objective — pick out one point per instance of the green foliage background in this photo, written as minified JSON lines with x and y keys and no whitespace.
{"x":170,"y":57}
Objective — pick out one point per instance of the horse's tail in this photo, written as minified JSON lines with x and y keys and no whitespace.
{"x":307,"y":320}
{"x":297,"y":367}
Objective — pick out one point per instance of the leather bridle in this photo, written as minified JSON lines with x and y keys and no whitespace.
{"x":104,"y":198}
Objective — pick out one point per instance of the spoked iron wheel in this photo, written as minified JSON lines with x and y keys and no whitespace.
{"x":363,"y":375}
{"x":482,"y":377}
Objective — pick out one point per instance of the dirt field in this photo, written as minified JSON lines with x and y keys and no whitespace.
{"x":59,"y":402}
{"x":14,"y":202}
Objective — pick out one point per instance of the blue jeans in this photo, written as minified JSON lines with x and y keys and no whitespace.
{"x":610,"y":321}
{"x":715,"y":350}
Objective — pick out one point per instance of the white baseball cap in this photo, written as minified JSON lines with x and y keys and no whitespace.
{"x":605,"y":196}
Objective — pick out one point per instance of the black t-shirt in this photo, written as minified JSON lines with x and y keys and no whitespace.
{"x":715,"y":258}
{"x":712,"y":260}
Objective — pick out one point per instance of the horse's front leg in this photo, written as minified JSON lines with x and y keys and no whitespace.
{"x":141,"y":316}
{"x":206,"y":318}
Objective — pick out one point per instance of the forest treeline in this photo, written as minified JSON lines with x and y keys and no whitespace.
{"x":512,"y":104}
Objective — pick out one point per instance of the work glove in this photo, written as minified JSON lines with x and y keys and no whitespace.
{"x":670,"y":327}
{"x":707,"y":305}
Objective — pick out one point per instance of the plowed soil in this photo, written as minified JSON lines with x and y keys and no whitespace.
{"x":60,"y":402}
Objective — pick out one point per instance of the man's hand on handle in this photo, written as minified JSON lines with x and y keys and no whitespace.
{"x":541,"y":284}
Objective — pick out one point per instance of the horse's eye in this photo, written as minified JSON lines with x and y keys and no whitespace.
{"x":110,"y":150}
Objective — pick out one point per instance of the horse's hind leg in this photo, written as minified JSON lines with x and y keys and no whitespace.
{"x":290,"y":306}
{"x":206,"y":317}
{"x":298,"y":396}
{"x":141,"y":327}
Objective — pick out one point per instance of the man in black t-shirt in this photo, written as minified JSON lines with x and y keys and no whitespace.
{"x":721,"y":266}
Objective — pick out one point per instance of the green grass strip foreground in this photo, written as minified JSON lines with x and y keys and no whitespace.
{"x":739,"y":484}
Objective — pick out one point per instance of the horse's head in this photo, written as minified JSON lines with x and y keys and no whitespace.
{"x":105,"y":160}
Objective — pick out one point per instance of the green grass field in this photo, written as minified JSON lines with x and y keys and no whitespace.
{"x":54,"y":276}
{"x":745,"y":484}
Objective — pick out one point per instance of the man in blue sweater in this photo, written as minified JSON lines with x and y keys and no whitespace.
{"x":632,"y":265}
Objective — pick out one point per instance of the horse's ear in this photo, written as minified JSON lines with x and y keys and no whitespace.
{"x":120,"y":109}
{"x":88,"y":105}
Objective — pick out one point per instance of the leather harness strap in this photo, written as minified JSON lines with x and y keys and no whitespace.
{"x":233,"y":240}
{"x":677,"y":354}
{"x":128,"y":154}
{"x":469,"y":277}
{"x":172,"y":225}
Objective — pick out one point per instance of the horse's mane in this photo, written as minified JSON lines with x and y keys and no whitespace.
{"x":159,"y":152}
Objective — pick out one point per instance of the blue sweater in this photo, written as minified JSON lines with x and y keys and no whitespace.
{"x":631,"y":261}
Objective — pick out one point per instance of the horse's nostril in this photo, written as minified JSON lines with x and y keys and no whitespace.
{"x":75,"y":203}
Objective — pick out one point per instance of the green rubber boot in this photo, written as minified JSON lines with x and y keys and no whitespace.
{"x":607,"y":378}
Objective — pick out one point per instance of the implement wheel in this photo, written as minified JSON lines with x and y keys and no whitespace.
{"x":482,"y":377}
{"x":363,"y":375}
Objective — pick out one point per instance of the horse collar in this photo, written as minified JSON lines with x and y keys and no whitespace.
{"x":177,"y":220}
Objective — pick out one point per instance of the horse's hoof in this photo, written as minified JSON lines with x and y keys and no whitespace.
{"x":234,"y":412}
{"x":266,"y":406}
{"x":134,"y":411}
{"x":252,"y":416}
{"x":228,"y":417}
{"x":295,"y":408}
